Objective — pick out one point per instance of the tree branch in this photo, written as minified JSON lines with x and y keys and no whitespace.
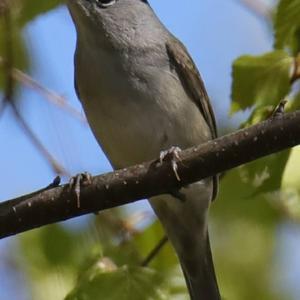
{"x":151,"y":178}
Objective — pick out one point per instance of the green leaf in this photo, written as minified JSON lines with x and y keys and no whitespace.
{"x":289,"y":196}
{"x":118,"y":283}
{"x":295,"y":103}
{"x":20,"y":57}
{"x":21,"y":12}
{"x":53,"y":245}
{"x":50,"y":254}
{"x":165,"y":260}
{"x":57,"y":244}
{"x":32,"y":8}
{"x":265,"y":174}
{"x":287,"y":25}
{"x":260,"y":80}
{"x":258,"y":114}
{"x":241,"y":201}
{"x":250,"y":222}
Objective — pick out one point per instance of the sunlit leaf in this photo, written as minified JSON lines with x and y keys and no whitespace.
{"x":49,"y":257}
{"x":290,"y":189}
{"x":165,"y":260}
{"x":241,"y":201}
{"x":260,"y":80}
{"x":32,"y":8}
{"x":124,"y":283}
{"x":11,"y":39}
{"x":287,"y":25}
{"x":265,"y":174}
{"x":53,"y":246}
{"x":14,"y":46}
{"x":243,"y":236}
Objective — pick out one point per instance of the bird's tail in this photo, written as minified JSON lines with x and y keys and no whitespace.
{"x":200,"y":278}
{"x":185,"y":223}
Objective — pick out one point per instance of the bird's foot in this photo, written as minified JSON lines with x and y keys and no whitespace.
{"x":75,"y":183}
{"x":171,"y":154}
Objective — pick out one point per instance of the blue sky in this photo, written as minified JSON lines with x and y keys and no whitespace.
{"x":214,"y":31}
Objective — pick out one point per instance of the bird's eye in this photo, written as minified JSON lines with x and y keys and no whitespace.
{"x":105,"y":3}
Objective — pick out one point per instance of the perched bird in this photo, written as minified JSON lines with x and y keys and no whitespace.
{"x":142,"y":94}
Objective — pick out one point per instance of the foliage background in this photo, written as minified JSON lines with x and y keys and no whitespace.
{"x":255,"y":220}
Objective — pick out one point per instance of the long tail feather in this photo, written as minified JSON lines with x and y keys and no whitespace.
{"x":202,"y":283}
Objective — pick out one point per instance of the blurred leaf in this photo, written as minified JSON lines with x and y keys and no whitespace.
{"x":243,"y":237}
{"x":241,"y":201}
{"x":260,"y":80}
{"x":262,"y":113}
{"x":50,"y":256}
{"x":57,"y":244}
{"x":54,"y":245}
{"x":295,"y":103}
{"x":32,"y":8}
{"x":289,"y":197}
{"x":20,"y":55}
{"x":21,"y":13}
{"x":122,"y":253}
{"x":123,"y":283}
{"x":135,"y":250}
{"x":110,"y":226}
{"x":166,"y":258}
{"x":246,"y":272}
{"x":265,"y":174}
{"x":116,"y":241}
{"x":258,"y":114}
{"x":287,"y":25}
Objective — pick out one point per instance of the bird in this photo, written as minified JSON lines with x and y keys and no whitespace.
{"x":143,"y":94}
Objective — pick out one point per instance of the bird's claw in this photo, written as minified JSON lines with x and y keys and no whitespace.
{"x":75,"y":183}
{"x":171,"y":154}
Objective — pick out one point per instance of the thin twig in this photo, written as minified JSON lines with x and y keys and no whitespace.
{"x":8,"y":98}
{"x":57,"y":168}
{"x":53,"y":97}
{"x":154,"y":252}
{"x":48,"y":94}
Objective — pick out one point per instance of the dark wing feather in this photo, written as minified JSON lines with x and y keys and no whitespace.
{"x":190,"y":77}
{"x":191,"y":80}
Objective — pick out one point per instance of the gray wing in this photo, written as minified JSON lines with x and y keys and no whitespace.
{"x":191,"y":80}
{"x":190,"y":77}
